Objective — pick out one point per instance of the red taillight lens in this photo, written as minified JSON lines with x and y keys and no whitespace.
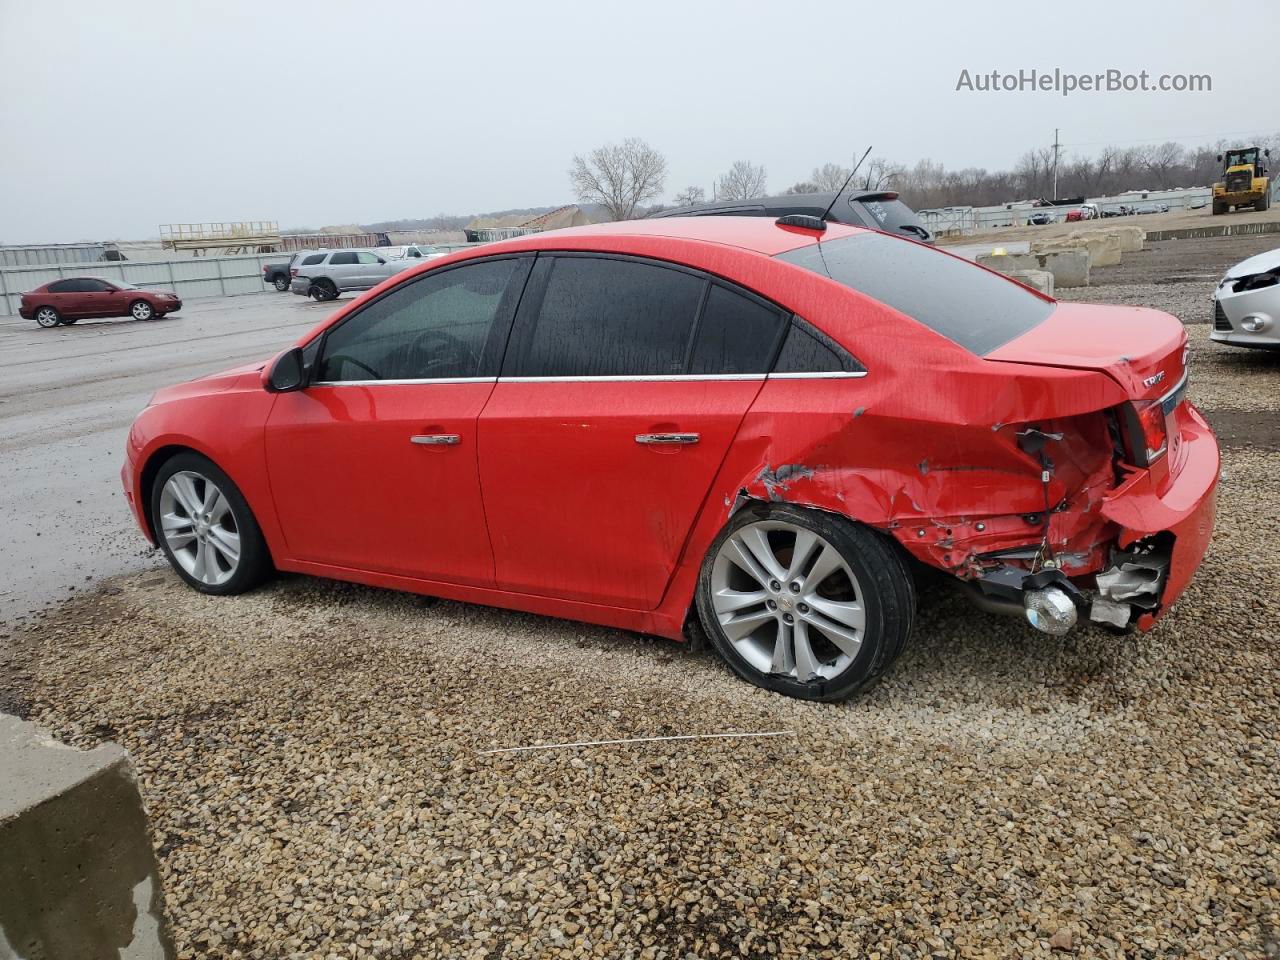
{"x":293,"y":273}
{"x":1154,"y":435}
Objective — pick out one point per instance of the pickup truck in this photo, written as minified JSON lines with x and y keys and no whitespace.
{"x":324,"y":275}
{"x":280,"y":275}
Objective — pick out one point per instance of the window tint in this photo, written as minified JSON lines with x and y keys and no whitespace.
{"x":977,"y":309}
{"x":735,"y":335}
{"x":807,"y":351}
{"x":602,"y":317}
{"x":313,"y":259}
{"x":94,"y":286}
{"x":364,"y":257}
{"x":431,"y":328}
{"x":62,"y":286}
{"x":339,"y":259}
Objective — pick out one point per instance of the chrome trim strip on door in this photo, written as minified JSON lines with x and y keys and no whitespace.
{"x":841,"y":375}
{"x":646,"y":378}
{"x":377,"y":383}
{"x":643,"y":378}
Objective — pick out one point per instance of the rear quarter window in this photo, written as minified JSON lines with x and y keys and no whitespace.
{"x":968,"y":305}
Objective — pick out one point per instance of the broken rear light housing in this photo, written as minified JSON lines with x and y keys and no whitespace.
{"x":1152,"y":434}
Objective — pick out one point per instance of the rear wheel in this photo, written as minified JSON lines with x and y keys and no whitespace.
{"x":323,"y":290}
{"x":141,"y":310}
{"x":281,"y":283}
{"x":805,"y":603}
{"x":1262,"y":203}
{"x":48,"y":317}
{"x":205,"y":527}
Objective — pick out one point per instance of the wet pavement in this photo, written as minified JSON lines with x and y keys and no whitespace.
{"x":67,"y":398}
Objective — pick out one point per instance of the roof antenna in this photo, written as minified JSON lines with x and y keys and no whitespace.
{"x":844,"y":186}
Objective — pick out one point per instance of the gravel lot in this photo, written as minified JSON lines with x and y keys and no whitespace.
{"x":311,"y":757}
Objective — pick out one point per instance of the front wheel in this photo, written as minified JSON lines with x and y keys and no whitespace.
{"x":48,"y":317}
{"x":281,"y":284}
{"x":205,"y":527}
{"x":805,"y":603}
{"x":141,"y":310}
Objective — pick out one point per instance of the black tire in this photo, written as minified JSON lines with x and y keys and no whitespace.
{"x":281,"y":284}
{"x":255,"y":559}
{"x":68,"y":321}
{"x":141,"y":310}
{"x":887,"y":591}
{"x":48,"y":317}
{"x":1262,"y":203}
{"x":1219,"y":208}
{"x":323,"y":291}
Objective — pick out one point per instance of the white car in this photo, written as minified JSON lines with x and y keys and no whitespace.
{"x":1246,"y":305}
{"x":414,"y":251}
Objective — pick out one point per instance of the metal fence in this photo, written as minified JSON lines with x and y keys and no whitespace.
{"x":188,"y":278}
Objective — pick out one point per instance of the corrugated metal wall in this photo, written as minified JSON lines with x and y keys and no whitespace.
{"x":35,"y":255}
{"x":189,"y":278}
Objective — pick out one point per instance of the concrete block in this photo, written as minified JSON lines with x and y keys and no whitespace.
{"x":1042,"y":280}
{"x":1070,"y":268}
{"x":1131,"y":238}
{"x":1105,"y":246}
{"x":78,"y":877}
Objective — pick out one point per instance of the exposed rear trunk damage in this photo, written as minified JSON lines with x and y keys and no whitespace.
{"x":1047,"y":491}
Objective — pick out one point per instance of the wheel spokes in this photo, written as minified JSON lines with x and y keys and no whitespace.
{"x":806,"y":663}
{"x":850,"y":615}
{"x":729,"y":601}
{"x":757,"y":542}
{"x":783,"y":657}
{"x":745,"y":624}
{"x":227,"y":543}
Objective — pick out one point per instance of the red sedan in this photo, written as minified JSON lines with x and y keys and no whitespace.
{"x":77,"y":298}
{"x":759,"y":427}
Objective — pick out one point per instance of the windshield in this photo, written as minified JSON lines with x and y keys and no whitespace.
{"x":973,"y":307}
{"x":1242,"y":156}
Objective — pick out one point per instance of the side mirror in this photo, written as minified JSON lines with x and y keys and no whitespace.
{"x":287,"y":373}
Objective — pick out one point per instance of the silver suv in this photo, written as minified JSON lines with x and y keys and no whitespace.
{"x":324,"y":275}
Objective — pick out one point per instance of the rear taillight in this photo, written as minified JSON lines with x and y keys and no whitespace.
{"x":293,"y":272}
{"x":1151,"y":430}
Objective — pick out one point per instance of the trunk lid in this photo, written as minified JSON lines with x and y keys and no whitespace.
{"x":1143,"y":350}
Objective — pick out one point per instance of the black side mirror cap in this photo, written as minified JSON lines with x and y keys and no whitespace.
{"x":288,"y":372}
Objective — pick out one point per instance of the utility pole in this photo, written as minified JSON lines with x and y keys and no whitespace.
{"x":1056,"y":145}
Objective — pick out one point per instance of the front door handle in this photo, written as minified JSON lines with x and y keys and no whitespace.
{"x":681,"y":438}
{"x":436,"y":439}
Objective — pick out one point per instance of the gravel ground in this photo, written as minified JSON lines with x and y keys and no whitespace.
{"x":311,"y":755}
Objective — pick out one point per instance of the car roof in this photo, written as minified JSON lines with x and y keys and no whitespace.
{"x":757,"y":234}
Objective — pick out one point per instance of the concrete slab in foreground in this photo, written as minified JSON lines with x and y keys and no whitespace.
{"x":78,"y":878}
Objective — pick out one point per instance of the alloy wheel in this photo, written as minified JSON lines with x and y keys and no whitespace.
{"x":788,"y":601}
{"x":200,"y":527}
{"x":47,"y":317}
{"x":141,"y":310}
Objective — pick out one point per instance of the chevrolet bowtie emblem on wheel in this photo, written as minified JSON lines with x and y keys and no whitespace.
{"x":1152,"y":381}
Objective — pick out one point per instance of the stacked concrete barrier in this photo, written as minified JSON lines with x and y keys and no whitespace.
{"x":78,"y":877}
{"x":1103,"y":247}
{"x":1070,"y":267}
{"x":1041,"y":280}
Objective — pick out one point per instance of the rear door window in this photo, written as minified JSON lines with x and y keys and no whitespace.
{"x":973,"y":307}
{"x":313,"y":259}
{"x":610,"y":317}
{"x":736,"y":334}
{"x":63,"y":286}
{"x":343,"y":259}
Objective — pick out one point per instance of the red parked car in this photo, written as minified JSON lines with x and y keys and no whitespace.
{"x":77,"y":298}
{"x":763,"y":427}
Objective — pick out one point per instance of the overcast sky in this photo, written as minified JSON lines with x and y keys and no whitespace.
{"x":117,"y":117}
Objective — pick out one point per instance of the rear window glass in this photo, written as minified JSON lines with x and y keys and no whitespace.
{"x":973,"y":307}
{"x":313,"y":259}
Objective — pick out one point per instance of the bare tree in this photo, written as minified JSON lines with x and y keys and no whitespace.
{"x":829,"y":176}
{"x":689,"y":196}
{"x":619,"y":177}
{"x":1162,"y":160}
{"x":804,"y":186}
{"x":744,"y":181}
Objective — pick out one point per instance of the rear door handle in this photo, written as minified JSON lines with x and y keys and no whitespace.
{"x":683,"y":438}
{"x":436,"y":439}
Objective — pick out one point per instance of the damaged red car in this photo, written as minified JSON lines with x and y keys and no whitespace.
{"x":762,"y":428}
